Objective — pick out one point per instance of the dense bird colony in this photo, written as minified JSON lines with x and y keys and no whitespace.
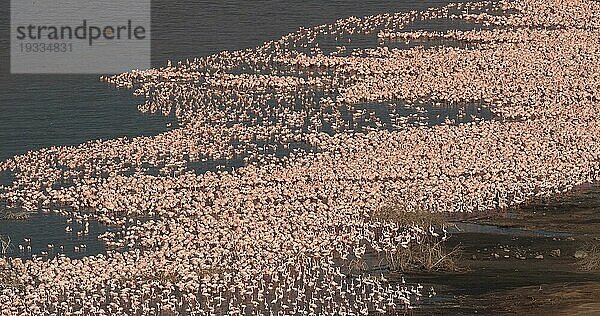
{"x":309,"y":135}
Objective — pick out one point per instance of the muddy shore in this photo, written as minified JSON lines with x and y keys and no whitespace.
{"x":522,"y":262}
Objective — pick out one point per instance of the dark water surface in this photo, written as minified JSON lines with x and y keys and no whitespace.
{"x":44,"y":110}
{"x":44,"y":235}
{"x":38,"y":111}
{"x":511,"y":265}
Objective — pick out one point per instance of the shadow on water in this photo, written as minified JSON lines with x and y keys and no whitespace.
{"x":42,"y":230}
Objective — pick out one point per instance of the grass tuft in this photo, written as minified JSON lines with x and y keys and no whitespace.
{"x":427,"y":253}
{"x":14,"y":215}
{"x":591,"y":260}
{"x":4,"y":244}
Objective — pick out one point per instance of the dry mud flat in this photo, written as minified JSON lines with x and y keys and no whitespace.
{"x":523,"y":262}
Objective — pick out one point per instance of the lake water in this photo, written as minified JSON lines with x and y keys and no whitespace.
{"x":43,"y":110}
{"x":38,"y":111}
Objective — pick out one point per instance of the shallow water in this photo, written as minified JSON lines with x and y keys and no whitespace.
{"x":466,"y":228}
{"x":42,"y":230}
{"x":511,"y":262}
{"x":6,"y":178}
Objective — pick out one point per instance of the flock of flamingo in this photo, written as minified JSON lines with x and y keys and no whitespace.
{"x":330,"y":124}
